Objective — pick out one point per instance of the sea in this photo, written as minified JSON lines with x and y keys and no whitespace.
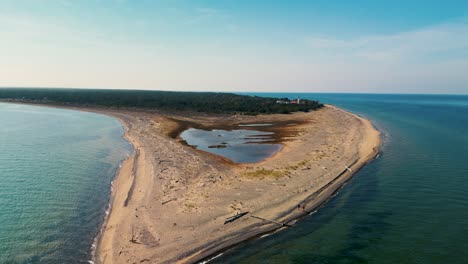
{"x":409,"y":205}
{"x":56,"y":168}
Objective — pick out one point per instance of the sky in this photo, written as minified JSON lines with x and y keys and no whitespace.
{"x":363,"y":46}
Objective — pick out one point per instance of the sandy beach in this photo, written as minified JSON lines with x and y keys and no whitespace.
{"x":169,"y":201}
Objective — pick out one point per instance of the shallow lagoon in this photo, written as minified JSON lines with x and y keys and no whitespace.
{"x":240,"y":146}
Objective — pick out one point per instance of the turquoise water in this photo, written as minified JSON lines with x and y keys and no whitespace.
{"x":408,"y":206}
{"x":56,"y":167}
{"x":239,"y":145}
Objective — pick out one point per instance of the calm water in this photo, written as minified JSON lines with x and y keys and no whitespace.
{"x":240,"y":145}
{"x":55,"y":172}
{"x":408,"y":206}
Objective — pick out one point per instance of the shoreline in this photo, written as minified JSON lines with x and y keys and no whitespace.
{"x":107,"y":212}
{"x":127,"y":164}
{"x":98,"y":239}
{"x":172,"y":184}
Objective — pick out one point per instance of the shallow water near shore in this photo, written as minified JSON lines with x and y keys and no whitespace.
{"x":239,"y":145}
{"x":56,"y":168}
{"x":408,"y":206}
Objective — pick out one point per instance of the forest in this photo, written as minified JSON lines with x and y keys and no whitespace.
{"x":209,"y":102}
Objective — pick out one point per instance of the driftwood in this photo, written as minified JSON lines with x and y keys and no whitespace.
{"x":235,"y":217}
{"x":170,"y":200}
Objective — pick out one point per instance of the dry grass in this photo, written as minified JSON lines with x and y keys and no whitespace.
{"x":263,"y":173}
{"x":298,"y":165}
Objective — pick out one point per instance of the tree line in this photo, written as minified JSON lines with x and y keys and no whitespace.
{"x":210,"y":102}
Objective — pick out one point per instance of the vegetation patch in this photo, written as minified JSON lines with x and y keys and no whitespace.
{"x":298,"y":165}
{"x":263,"y":173}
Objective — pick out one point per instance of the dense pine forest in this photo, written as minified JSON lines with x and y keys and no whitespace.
{"x":210,"y":102}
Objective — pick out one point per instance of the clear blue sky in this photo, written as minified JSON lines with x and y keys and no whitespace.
{"x":236,"y":45}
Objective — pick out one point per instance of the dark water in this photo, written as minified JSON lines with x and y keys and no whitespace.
{"x":240,"y":145}
{"x":56,"y":167}
{"x":408,"y":206}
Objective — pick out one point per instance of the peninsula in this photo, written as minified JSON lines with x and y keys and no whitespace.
{"x":170,"y":201}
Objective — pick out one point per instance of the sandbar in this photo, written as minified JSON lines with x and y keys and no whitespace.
{"x":169,"y":200}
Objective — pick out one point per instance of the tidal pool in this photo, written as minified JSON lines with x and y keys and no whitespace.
{"x":240,"y":146}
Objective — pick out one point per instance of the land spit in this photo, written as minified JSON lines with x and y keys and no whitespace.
{"x":170,"y":201}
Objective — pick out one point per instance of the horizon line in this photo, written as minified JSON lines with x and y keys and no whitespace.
{"x":229,"y":91}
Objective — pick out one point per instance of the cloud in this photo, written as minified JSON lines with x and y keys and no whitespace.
{"x":441,"y":42}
